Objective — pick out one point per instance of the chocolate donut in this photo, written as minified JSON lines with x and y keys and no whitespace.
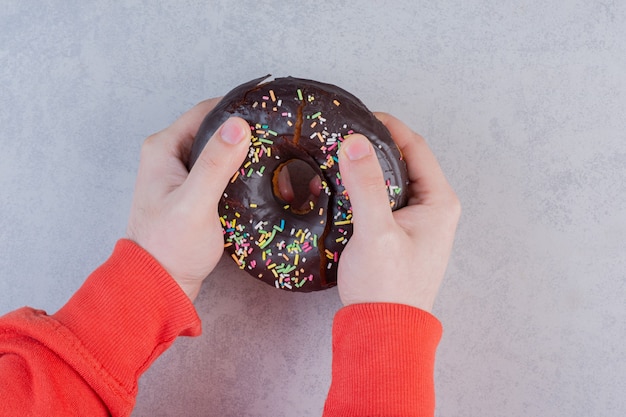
{"x":295,"y":119}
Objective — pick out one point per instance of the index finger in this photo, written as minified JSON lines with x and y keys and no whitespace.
{"x":427,"y":181}
{"x":182,"y":132}
{"x":189,"y":122}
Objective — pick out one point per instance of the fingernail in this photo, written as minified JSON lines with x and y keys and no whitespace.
{"x":358,"y":147}
{"x":232,"y":132}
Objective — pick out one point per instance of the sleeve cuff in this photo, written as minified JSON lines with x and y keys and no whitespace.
{"x":383,"y":361}
{"x":127,"y":313}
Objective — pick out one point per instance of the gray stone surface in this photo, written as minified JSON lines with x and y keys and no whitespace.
{"x":524,"y":103}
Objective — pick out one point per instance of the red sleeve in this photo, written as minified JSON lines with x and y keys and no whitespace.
{"x":86,"y":359}
{"x":383,"y":361}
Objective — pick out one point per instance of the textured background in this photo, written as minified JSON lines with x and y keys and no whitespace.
{"x":524,"y":103}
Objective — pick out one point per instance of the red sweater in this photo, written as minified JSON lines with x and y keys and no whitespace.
{"x":86,"y":359}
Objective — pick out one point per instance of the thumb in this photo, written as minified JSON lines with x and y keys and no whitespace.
{"x":221,"y":157}
{"x":363,"y":178}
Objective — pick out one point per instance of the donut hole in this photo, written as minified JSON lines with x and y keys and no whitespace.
{"x":297,"y":185}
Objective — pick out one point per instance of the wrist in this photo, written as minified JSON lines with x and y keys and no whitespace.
{"x":192,"y":289}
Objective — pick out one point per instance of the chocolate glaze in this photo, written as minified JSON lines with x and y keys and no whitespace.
{"x":293,"y":118}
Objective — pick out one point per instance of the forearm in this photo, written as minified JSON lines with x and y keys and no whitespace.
{"x":86,"y":359}
{"x":383,"y":361}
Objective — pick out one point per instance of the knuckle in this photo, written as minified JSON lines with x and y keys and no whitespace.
{"x":152,"y":139}
{"x":458,"y":208}
{"x":207,"y":163}
{"x":150,"y":143}
{"x":453,"y":207}
{"x":419,"y":139}
{"x":370,"y":185}
{"x":382,"y":116}
{"x":183,"y":210}
{"x":376,"y":187}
